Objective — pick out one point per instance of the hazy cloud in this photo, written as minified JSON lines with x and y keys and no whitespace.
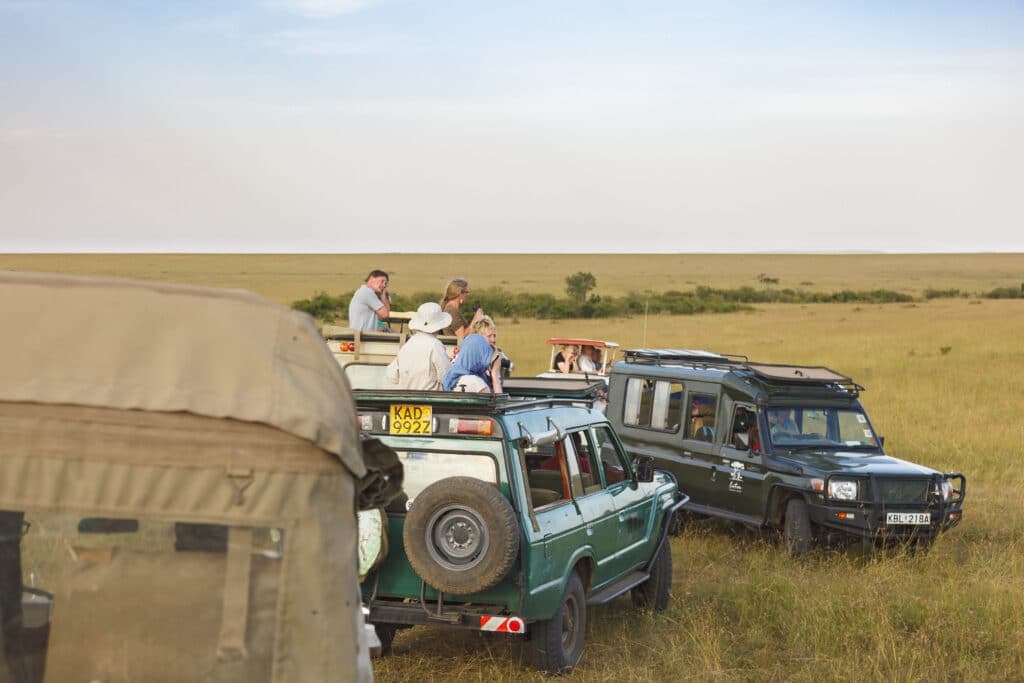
{"x":318,"y":9}
{"x":312,"y":42}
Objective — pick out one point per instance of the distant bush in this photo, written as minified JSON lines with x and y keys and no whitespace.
{"x":501,"y":302}
{"x":1005,"y":293}
{"x":321,"y":305}
{"x":941,"y":293}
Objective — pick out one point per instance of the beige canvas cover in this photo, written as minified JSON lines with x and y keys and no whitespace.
{"x":150,"y":346}
{"x":164,"y":406}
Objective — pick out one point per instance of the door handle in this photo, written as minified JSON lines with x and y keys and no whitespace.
{"x":590,"y":530}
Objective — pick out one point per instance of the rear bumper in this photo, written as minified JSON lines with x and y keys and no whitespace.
{"x":468,"y":617}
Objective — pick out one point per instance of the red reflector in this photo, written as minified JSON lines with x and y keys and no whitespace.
{"x":478,"y":427}
{"x":502,"y":624}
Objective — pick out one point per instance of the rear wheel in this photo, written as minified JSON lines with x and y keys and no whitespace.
{"x":798,"y":533}
{"x":557,"y":643}
{"x":655,"y":591}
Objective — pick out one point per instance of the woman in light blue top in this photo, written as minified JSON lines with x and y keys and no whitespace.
{"x":469,"y":371}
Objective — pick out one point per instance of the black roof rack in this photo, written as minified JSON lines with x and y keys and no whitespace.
{"x":694,"y":357}
{"x":775,"y":375}
{"x":518,"y":393}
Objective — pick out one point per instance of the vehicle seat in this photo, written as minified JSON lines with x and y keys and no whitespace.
{"x":546,"y":479}
{"x":541,"y":497}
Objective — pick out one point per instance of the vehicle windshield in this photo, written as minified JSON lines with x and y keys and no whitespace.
{"x":425,"y":461}
{"x":817,"y":427}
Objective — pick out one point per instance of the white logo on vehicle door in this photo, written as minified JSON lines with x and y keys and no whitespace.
{"x":736,"y":469}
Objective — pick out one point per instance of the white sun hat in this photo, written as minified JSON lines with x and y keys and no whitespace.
{"x":430,"y":318}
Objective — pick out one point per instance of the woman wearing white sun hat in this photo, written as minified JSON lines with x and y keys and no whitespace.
{"x":422,"y":361}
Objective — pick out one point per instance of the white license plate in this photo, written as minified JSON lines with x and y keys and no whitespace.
{"x":908,"y":518}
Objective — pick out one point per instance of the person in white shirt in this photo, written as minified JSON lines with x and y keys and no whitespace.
{"x":585,"y":363}
{"x":422,"y":361}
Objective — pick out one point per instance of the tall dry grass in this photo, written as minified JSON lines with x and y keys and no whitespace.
{"x":944,"y":385}
{"x":741,"y":610}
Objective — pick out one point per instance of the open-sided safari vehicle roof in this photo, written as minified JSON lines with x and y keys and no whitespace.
{"x":178,"y":470}
{"x":580,"y":341}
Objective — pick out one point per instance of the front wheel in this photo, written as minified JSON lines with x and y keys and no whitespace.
{"x":557,"y":643}
{"x":655,"y":591}
{"x":386,"y":636}
{"x":798,"y":532}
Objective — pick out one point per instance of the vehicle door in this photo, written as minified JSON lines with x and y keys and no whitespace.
{"x":632,"y":502}
{"x":740,"y":473}
{"x":595,"y":504}
{"x":560,"y":529}
{"x":701,"y":443}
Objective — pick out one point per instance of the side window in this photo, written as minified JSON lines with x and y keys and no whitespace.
{"x":639,"y":402}
{"x":612,"y":460}
{"x":700,"y":422}
{"x":668,"y":397}
{"x":578,"y":480}
{"x":743,"y":431}
{"x":590,"y":464}
{"x":631,"y":409}
{"x":548,"y":475}
{"x":652,"y":403}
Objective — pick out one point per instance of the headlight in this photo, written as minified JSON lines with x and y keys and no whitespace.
{"x":842,"y":489}
{"x":947,"y":489}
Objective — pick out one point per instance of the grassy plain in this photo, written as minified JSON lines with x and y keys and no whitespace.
{"x":741,"y":610}
{"x":290,"y":277}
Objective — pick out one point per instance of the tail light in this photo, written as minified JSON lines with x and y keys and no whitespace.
{"x":478,"y":427}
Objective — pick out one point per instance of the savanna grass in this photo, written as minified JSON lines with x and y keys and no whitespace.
{"x":741,"y":610}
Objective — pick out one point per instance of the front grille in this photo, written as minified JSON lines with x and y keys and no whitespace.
{"x":903,"y":490}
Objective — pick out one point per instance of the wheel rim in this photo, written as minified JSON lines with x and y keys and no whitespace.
{"x":570,"y":617}
{"x":457,"y":538}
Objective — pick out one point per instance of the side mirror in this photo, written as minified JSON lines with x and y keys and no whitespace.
{"x":644,"y":467}
{"x":881,"y":441}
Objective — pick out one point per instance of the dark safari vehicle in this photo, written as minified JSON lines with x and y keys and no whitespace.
{"x":778,"y":446}
{"x":521,"y":510}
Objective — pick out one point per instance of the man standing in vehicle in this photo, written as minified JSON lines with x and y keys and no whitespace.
{"x":370,"y":303}
{"x":422,"y":361}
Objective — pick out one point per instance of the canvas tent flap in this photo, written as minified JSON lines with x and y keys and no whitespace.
{"x":138,"y":345}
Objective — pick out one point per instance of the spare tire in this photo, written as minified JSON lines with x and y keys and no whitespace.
{"x":461,"y":535}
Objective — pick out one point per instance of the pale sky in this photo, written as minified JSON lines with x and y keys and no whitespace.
{"x":526,"y":126}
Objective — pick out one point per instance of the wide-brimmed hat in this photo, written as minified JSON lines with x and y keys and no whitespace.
{"x":429,"y":318}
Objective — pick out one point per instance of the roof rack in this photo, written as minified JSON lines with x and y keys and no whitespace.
{"x":775,"y":374}
{"x":518,"y":393}
{"x":694,"y":357}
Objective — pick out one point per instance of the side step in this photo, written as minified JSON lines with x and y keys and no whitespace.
{"x":609,"y":593}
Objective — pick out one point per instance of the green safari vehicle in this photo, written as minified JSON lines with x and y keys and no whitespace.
{"x":520,"y":511}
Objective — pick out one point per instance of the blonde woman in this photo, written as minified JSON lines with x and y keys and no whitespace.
{"x":487,"y":329}
{"x":454,"y":296}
